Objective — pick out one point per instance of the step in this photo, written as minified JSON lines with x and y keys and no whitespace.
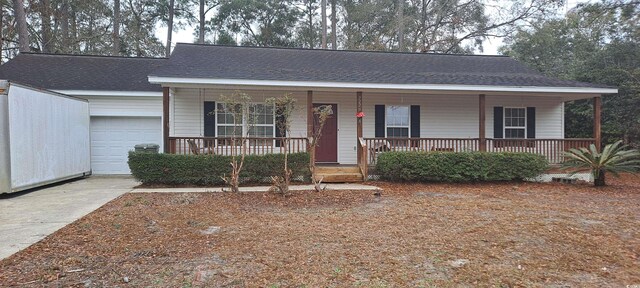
{"x":337,"y":169}
{"x":340,"y":177}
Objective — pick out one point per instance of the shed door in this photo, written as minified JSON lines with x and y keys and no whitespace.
{"x":113,"y":137}
{"x":327,"y":150}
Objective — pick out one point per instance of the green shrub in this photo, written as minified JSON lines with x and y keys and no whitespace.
{"x":459,"y":167}
{"x":207,"y":170}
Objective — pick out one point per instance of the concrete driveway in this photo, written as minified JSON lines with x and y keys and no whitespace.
{"x":26,"y":218}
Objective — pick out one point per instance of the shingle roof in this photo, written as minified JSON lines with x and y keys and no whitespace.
{"x":81,"y":72}
{"x":290,"y":64}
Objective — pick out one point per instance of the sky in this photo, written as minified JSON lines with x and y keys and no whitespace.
{"x":491,"y":45}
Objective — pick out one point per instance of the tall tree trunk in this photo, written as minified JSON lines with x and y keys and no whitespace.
{"x":1,"y":29}
{"x":116,"y":27}
{"x":88,"y":43}
{"x":400,"y":25}
{"x":170,"y":28}
{"x":75,"y":45}
{"x":201,"y":32}
{"x":334,"y":25}
{"x":323,"y":8}
{"x":21,"y":23}
{"x":45,"y":18}
{"x":311,"y":32}
{"x":64,"y":26}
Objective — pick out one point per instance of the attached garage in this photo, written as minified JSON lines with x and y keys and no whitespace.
{"x":113,"y":137}
{"x":124,"y":108}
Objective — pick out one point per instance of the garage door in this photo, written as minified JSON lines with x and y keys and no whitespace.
{"x":113,"y":137}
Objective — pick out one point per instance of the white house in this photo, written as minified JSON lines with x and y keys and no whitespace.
{"x":410,"y":101}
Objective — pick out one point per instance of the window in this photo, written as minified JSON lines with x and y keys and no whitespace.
{"x":262,"y":119}
{"x":397,"y":120}
{"x":260,"y":122}
{"x":225,"y":121}
{"x":515,"y":123}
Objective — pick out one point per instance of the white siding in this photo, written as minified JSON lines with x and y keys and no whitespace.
{"x":440,"y":116}
{"x":124,"y":105}
{"x":454,"y":116}
{"x":187,"y":110}
{"x":549,"y":113}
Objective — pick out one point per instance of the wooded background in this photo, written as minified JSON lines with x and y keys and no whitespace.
{"x":594,"y":42}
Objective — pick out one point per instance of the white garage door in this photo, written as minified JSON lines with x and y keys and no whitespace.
{"x":113,"y":137}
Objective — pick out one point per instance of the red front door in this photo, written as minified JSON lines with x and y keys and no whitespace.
{"x":327,"y":150}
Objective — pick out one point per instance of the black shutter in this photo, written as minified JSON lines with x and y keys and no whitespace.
{"x":209,"y":118}
{"x":498,"y":122}
{"x":380,"y":120}
{"x":280,"y":119}
{"x":531,"y":122}
{"x":415,"y":121}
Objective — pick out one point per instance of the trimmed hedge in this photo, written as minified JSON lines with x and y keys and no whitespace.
{"x":459,"y":167}
{"x":207,"y":170}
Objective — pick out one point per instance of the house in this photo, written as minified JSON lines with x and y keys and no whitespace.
{"x":410,"y":101}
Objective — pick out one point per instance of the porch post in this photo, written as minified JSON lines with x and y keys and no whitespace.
{"x":309,"y":113}
{"x":481,"y":126}
{"x":597,"y":118}
{"x":165,"y":119}
{"x":358,"y":123}
{"x":310,"y":119}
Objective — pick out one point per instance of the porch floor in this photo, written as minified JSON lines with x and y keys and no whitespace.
{"x":336,"y":173}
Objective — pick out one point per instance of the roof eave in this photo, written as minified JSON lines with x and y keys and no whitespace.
{"x":173,"y":81}
{"x":129,"y":93}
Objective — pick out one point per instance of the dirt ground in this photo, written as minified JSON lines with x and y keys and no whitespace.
{"x":414,"y":235}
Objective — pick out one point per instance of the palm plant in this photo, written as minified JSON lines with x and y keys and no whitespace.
{"x":614,"y":158}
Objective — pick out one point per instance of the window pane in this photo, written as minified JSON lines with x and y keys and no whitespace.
{"x":225,"y":116}
{"x":261,"y":114}
{"x":517,"y":133}
{"x":515,"y":117}
{"x":398,"y":132}
{"x":261,"y":131}
{"x":227,"y":131}
{"x":397,"y":116}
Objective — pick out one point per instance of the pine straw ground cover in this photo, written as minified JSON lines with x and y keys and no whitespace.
{"x":414,"y":235}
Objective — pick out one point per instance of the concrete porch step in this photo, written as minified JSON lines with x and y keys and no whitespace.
{"x":339,"y":174}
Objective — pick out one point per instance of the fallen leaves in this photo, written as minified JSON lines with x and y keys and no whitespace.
{"x":524,"y":234}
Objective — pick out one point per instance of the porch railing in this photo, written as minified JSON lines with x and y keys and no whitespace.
{"x":363,"y":163}
{"x":230,"y":146}
{"x":550,"y":148}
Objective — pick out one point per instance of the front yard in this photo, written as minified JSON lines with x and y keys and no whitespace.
{"x":416,"y":235}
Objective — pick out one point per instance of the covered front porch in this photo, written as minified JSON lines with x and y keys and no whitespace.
{"x":389,"y":120}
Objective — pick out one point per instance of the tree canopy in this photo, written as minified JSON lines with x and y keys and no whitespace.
{"x":597,"y":43}
{"x":97,"y":26}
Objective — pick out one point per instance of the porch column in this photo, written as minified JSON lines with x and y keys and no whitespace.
{"x":481,"y":120}
{"x":309,"y":113}
{"x":165,"y":119}
{"x":310,"y":119}
{"x":358,"y":123}
{"x":597,"y":118}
